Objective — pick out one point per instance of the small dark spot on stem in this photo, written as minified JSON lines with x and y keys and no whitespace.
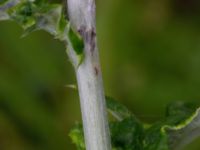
{"x":91,"y":39}
{"x":82,"y":30}
{"x":96,"y":70}
{"x":89,"y":36}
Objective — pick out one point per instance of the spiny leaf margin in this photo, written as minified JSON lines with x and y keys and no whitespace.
{"x":34,"y":15}
{"x":171,"y":133}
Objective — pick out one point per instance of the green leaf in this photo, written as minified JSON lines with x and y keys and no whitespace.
{"x":77,"y":137}
{"x":34,"y":15}
{"x":180,"y":126}
{"x":126,"y":131}
{"x":175,"y":130}
{"x":127,"y":134}
{"x":185,"y":131}
{"x":77,"y":44}
{"x":117,"y":110}
{"x":23,"y":14}
{"x":155,"y":139}
{"x":76,"y":41}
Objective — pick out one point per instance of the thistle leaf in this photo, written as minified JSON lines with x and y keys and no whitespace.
{"x":180,"y":127}
{"x":116,"y":109}
{"x":34,"y":15}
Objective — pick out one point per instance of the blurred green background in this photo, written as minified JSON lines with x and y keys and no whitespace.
{"x":150,"y":55}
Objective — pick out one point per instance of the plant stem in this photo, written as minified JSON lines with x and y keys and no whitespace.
{"x":89,"y":78}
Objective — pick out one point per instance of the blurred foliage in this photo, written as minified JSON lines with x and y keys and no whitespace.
{"x":150,"y":55}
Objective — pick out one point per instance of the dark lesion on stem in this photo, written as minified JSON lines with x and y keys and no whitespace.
{"x":96,"y":70}
{"x":82,"y":30}
{"x":89,"y":36}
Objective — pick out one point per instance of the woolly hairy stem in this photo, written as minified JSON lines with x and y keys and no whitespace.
{"x":89,"y":78}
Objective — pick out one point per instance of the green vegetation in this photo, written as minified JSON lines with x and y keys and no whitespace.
{"x":128,"y":133}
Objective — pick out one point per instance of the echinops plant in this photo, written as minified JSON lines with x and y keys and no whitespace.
{"x":123,"y":131}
